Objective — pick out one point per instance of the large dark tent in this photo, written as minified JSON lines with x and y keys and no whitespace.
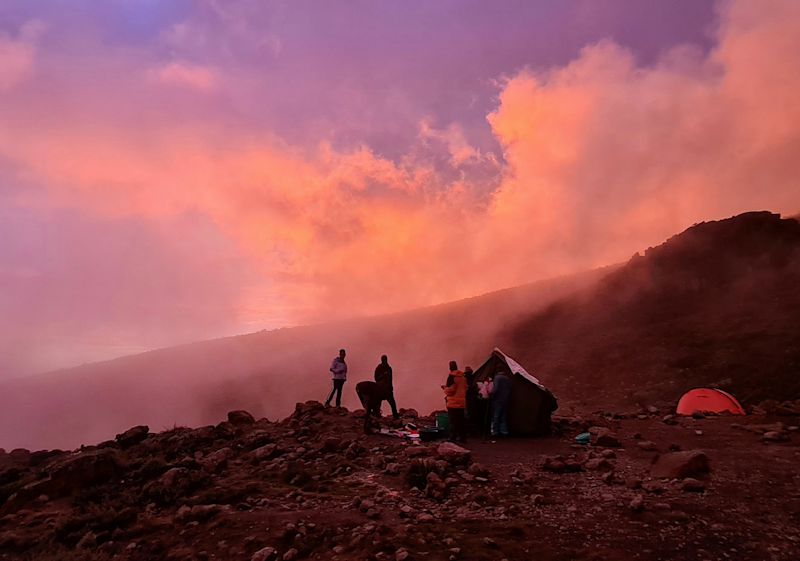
{"x":531,"y":403}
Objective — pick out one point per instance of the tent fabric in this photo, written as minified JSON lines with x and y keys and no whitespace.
{"x":531,"y":403}
{"x":708,"y":400}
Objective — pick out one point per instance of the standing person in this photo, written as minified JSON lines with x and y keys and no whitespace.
{"x":339,"y":375}
{"x":501,"y":395}
{"x":456,"y":397}
{"x":383,"y":377}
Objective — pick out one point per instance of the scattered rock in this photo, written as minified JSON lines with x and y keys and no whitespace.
{"x":637,"y":503}
{"x":265,"y":554}
{"x":775,"y":436}
{"x":679,"y":465}
{"x":453,"y":453}
{"x":647,"y":446}
{"x":693,"y":485}
{"x":605,"y":437}
{"x":240,"y":417}
{"x":132,"y":436}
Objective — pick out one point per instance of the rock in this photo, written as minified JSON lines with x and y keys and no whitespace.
{"x":478,"y":470}
{"x":74,"y":473}
{"x":417,"y":451}
{"x":88,"y":541}
{"x":436,"y":487}
{"x":425,"y":517}
{"x":647,"y":446}
{"x":401,"y":554}
{"x":489,"y":542}
{"x":653,"y":487}
{"x":606,"y":438}
{"x":693,"y":485}
{"x":652,"y":409}
{"x":290,"y":555}
{"x":669,"y":420}
{"x":132,"y":436}
{"x":453,"y":453}
{"x":679,"y":465}
{"x":637,"y":503}
{"x":557,"y":464}
{"x":265,"y":554}
{"x":240,"y":417}
{"x":392,"y":468}
{"x":217,"y":460}
{"x":775,"y":436}
{"x":264,"y":452}
{"x":599,"y":464}
{"x":633,"y":483}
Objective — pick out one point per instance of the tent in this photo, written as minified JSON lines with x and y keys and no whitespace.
{"x":707,"y":400}
{"x":531,"y":403}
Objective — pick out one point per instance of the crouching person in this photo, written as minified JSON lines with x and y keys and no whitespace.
{"x":369,"y":394}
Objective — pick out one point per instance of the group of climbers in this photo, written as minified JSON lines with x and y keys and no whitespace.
{"x":463,"y":396}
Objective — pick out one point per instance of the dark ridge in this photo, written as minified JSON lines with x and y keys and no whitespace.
{"x":715,"y":305}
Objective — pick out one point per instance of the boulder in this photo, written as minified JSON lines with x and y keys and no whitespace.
{"x":453,"y":453}
{"x":775,"y":436}
{"x":680,"y":465}
{"x":604,"y":437}
{"x":693,"y":485}
{"x":240,"y":417}
{"x":217,"y":460}
{"x":599,"y":464}
{"x":265,"y":452}
{"x":265,"y":554}
{"x":132,"y":436}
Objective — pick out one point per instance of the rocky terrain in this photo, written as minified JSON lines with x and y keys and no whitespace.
{"x":649,"y":486}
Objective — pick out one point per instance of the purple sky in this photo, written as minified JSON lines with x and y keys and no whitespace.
{"x":172,"y":171}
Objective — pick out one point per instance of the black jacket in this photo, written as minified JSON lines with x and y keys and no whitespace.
{"x":383,"y":376}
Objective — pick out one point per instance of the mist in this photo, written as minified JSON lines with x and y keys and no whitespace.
{"x":227,"y":168}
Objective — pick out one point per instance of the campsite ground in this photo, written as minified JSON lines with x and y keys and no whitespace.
{"x":313,"y":487}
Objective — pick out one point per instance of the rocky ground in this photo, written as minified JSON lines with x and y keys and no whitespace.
{"x":650,"y":486}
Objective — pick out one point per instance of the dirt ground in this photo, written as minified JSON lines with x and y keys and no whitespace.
{"x":313,"y":487}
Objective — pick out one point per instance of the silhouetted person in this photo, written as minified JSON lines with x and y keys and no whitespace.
{"x":500,"y":396}
{"x":369,"y":394}
{"x":339,"y":376}
{"x":455,"y":391}
{"x":383,"y":377}
{"x":475,"y":413}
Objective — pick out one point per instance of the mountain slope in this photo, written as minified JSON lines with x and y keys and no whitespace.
{"x":265,"y":372}
{"x":716,"y":305}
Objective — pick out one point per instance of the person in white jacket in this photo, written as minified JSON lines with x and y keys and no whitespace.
{"x":339,"y":376}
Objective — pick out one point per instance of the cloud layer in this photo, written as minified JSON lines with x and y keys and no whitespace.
{"x":367,"y":206}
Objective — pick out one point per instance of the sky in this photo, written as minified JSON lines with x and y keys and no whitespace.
{"x":179,"y":170}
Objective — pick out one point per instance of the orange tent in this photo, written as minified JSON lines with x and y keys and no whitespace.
{"x":707,"y":400}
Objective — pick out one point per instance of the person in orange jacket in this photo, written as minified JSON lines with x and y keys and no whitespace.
{"x":455,"y":391}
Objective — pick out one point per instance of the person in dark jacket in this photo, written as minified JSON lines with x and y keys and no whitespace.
{"x":500,"y":396}
{"x":383,"y":377}
{"x":370,"y":396}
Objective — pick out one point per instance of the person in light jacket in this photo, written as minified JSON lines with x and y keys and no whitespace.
{"x":339,"y":376}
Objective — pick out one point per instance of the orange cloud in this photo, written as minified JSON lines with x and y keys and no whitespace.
{"x":186,"y":75}
{"x":600,"y":158}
